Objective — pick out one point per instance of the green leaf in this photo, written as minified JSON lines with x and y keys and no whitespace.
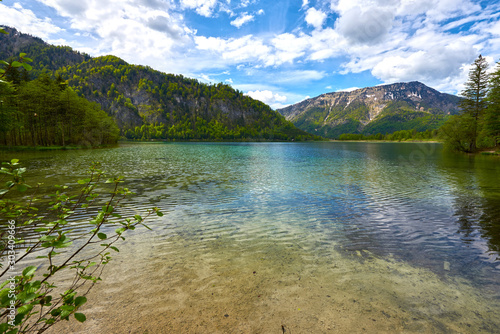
{"x":25,"y":309}
{"x":114,"y":248}
{"x":102,"y":236}
{"x":22,"y":187}
{"x":16,"y":64}
{"x":80,"y":317}
{"x":28,"y":59}
{"x":84,"y":181}
{"x":68,"y":308}
{"x":14,"y":161}
{"x":22,"y":54}
{"x":120,"y":230}
{"x":55,"y":312}
{"x":27,"y":67}
{"x":29,"y":271}
{"x":79,"y":301}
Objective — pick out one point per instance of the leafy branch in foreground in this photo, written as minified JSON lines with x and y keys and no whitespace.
{"x":35,"y":299}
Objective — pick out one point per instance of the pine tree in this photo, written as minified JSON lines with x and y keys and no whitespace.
{"x":476,"y":89}
{"x":492,"y":113}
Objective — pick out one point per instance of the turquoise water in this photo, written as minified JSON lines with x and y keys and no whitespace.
{"x":410,"y":203}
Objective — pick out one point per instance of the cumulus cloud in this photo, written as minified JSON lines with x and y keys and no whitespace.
{"x":242,"y":19}
{"x":202,"y":7}
{"x":426,"y":66}
{"x":162,"y":23}
{"x":366,"y":27}
{"x":26,"y":21}
{"x":315,"y":17}
{"x":235,"y":50}
{"x":268,"y":97}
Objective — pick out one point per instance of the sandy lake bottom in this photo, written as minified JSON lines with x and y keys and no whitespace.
{"x":175,"y":285}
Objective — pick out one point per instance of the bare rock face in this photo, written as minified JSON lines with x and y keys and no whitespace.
{"x":329,"y":113}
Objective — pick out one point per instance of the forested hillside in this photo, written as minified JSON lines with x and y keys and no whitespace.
{"x":148,"y":104}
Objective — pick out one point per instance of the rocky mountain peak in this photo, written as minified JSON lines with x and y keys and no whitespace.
{"x":363,"y":106}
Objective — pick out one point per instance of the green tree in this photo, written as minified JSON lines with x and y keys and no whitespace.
{"x":474,"y":103}
{"x":460,"y":133}
{"x":492,"y":113}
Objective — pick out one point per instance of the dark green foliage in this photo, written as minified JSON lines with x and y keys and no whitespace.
{"x":43,"y":112}
{"x":491,"y":126}
{"x":460,"y":133}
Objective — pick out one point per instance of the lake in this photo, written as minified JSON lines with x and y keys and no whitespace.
{"x":317,"y":237}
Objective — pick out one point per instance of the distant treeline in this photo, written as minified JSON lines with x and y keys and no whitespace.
{"x":46,"y":112}
{"x":215,"y":130}
{"x":401,"y":135}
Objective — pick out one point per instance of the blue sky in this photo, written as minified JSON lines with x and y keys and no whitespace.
{"x":280,"y":52}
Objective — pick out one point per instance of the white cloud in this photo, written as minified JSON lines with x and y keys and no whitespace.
{"x":235,"y":50}
{"x":27,"y":22}
{"x":268,"y":97}
{"x":315,"y":17}
{"x":242,"y":19}
{"x":365,"y":27}
{"x":202,"y":7}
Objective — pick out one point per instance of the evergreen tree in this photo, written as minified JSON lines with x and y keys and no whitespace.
{"x":492,"y":113}
{"x":474,"y":103}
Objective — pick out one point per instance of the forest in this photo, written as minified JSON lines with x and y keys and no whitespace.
{"x":46,"y":112}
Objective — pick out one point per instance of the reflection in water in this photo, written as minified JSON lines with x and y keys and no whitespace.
{"x":477,"y":197}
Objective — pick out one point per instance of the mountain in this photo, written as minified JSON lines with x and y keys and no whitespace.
{"x":149,"y":104}
{"x":372,"y":110}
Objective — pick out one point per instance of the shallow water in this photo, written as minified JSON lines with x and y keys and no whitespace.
{"x":301,"y":237}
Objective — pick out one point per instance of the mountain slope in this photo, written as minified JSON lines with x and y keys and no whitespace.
{"x":147,"y":103}
{"x":380,"y":109}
